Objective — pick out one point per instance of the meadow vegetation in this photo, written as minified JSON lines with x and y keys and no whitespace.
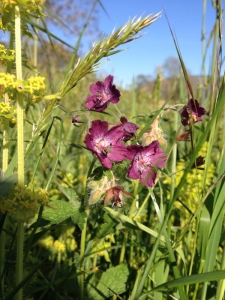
{"x":107,"y":192}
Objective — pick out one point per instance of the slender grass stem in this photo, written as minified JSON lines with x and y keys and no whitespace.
{"x":20,"y":146}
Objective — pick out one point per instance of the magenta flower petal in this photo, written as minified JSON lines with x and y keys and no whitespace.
{"x":101,"y":94}
{"x":145,"y":161}
{"x":193,"y":112}
{"x":128,"y":129}
{"x":105,"y":144}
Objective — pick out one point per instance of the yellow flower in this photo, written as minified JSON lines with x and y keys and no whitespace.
{"x":23,"y":202}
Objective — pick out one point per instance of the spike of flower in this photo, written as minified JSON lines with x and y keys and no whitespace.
{"x":101,"y":94}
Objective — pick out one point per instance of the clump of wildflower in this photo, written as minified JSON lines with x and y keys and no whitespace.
{"x":23,"y":202}
{"x":145,"y":162}
{"x":191,"y":192}
{"x":192,"y":112}
{"x":101,"y":94}
{"x":102,"y":247}
{"x":60,"y":247}
{"x":154,"y":133}
{"x":33,"y":88}
{"x":7,"y":83}
{"x":6,"y":55}
{"x":106,"y":144}
{"x":7,"y":112}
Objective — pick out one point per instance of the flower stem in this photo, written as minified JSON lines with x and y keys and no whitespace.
{"x":5,"y":158}
{"x":123,"y":248}
{"x":84,"y":232}
{"x":20,"y":147}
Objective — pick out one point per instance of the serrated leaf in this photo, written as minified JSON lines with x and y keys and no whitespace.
{"x":79,"y":217}
{"x":58,"y":211}
{"x":112,"y":282}
{"x":70,"y":194}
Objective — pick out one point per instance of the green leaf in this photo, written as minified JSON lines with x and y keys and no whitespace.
{"x":197,"y":278}
{"x":112,"y":282}
{"x":108,"y":227}
{"x":79,"y":217}
{"x":8,"y":15}
{"x":70,"y":194}
{"x":58,"y":211}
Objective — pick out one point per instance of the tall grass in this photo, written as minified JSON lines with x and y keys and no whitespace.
{"x":61,"y":226}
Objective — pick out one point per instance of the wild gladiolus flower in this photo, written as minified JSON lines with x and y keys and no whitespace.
{"x":101,"y":94}
{"x":106,"y":143}
{"x":192,"y":113}
{"x":145,"y":161}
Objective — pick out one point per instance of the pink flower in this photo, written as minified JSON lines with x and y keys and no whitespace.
{"x":145,"y":161}
{"x":106,"y":143}
{"x":129,"y":129}
{"x":192,"y":113}
{"x":101,"y":94}
{"x":75,"y":120}
{"x":116,"y":195}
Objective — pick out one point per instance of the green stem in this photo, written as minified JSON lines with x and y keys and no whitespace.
{"x":125,"y":237}
{"x":173,"y":167}
{"x":19,"y":258}
{"x":20,"y":147}
{"x":82,"y":252}
{"x":221,"y":285}
{"x":83,"y":235}
{"x":123,"y":248}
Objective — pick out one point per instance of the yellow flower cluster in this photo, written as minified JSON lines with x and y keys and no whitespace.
{"x":191,"y":192}
{"x":5,"y":54}
{"x":33,"y":88}
{"x":68,"y":180}
{"x":7,"y":112}
{"x":101,"y":247}
{"x":27,"y":4}
{"x":60,"y":247}
{"x":23,"y":202}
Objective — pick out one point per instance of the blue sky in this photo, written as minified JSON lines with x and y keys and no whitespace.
{"x":151,"y":50}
